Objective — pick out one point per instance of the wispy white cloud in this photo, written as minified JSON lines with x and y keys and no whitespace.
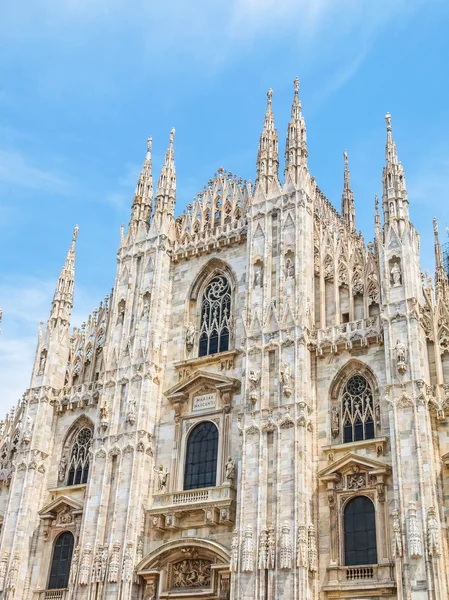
{"x":25,"y":302}
{"x":17,"y":169}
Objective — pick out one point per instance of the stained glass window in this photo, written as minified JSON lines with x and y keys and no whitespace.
{"x":201,"y":457}
{"x":357,"y":410}
{"x":79,"y":458}
{"x":215,"y":317}
{"x":360,"y":532}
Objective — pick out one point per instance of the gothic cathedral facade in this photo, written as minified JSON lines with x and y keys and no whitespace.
{"x":257,"y":412}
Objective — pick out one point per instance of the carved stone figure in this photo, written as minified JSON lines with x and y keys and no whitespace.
{"x":64,"y":516}
{"x":397,"y":534}
{"x":414,"y":537}
{"x":62,"y":467}
{"x":104,"y":414}
{"x":131,"y":410}
{"x":289,"y":268}
{"x":150,"y":591}
{"x":97,"y":567}
{"x":396,"y":275}
{"x":42,"y":361}
{"x":85,"y":566}
{"x":313,"y":554}
{"x":335,"y":422}
{"x":271,"y":552}
{"x":248,"y":550}
{"x":3,"y":569}
{"x":302,"y":551}
{"x":162,"y":478}
{"x":191,"y":573}
{"x":127,"y":565}
{"x":13,"y":573}
{"x":230,"y":469}
{"x":27,"y":432}
{"x":433,"y":542}
{"x":233,"y":565}
{"x":114,"y":563}
{"x":74,"y":566}
{"x":356,"y":480}
{"x":263,"y":542}
{"x":285,"y":547}
{"x":190,"y":337}
{"x":258,"y":276}
{"x":286,"y":376}
{"x":146,"y":304}
{"x":401,"y":357}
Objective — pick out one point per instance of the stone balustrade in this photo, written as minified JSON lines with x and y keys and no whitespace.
{"x":357,"y":334}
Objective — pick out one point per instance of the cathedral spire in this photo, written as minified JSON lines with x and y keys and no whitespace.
{"x":440,"y":271}
{"x":395,"y":201}
{"x":143,"y":196}
{"x":296,"y":142}
{"x":347,"y":199}
{"x":63,"y":297}
{"x":268,"y":155}
{"x":166,"y":187}
{"x":377,"y":223}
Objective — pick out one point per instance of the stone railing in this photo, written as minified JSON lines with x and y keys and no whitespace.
{"x":361,"y":577}
{"x":348,"y":335}
{"x":220,"y":494}
{"x":51,"y":594}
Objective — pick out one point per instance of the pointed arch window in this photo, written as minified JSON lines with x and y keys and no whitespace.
{"x":360,"y":532}
{"x":201,"y":457}
{"x":78,"y":468}
{"x":215,"y":317}
{"x":61,"y":561}
{"x":357,"y":410}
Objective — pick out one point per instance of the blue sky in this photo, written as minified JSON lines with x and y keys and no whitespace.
{"x":83,"y":84}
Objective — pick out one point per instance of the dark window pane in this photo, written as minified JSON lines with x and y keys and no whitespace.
{"x":360,"y":532}
{"x":60,"y":565}
{"x":357,"y":410}
{"x":201,"y":457}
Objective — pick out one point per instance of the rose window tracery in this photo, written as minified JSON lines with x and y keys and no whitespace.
{"x":357,"y":410}
{"x":215,"y":317}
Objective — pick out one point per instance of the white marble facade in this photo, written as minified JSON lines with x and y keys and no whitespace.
{"x":321,"y":371}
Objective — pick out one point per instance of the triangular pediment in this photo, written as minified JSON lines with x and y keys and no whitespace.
{"x":60,"y":503}
{"x":202,"y":378}
{"x":351,"y":460}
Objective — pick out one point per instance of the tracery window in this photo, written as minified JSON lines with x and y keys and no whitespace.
{"x":357,"y":410}
{"x":215,"y":317}
{"x":78,"y":467}
{"x":60,"y":564}
{"x":360,"y":532}
{"x":201,"y":457}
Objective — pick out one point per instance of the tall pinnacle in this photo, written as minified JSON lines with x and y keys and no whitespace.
{"x":166,"y":188}
{"x":377,"y":224}
{"x":143,"y":196}
{"x":394,"y":201}
{"x":268,"y":154}
{"x":440,"y":271}
{"x":347,"y":199}
{"x":296,"y":142}
{"x":63,"y":297}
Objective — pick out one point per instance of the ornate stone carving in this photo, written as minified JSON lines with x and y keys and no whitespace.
{"x":396,"y":274}
{"x":248,"y":550}
{"x":233,"y":565}
{"x":190,"y":337}
{"x":289,"y":268}
{"x":64,"y":516}
{"x":286,"y":377}
{"x":414,"y":537}
{"x":162,"y":478}
{"x":128,"y":563}
{"x":397,"y":534}
{"x":401,"y":357}
{"x":230,"y":470}
{"x":131,"y":406}
{"x":13,"y":573}
{"x":85,"y":566}
{"x":100,"y":564}
{"x":62,"y":468}
{"x":104,"y":414}
{"x":302,"y":559}
{"x":114,"y":563}
{"x":335,"y":422}
{"x":433,"y":542}
{"x":3,"y":569}
{"x":258,"y":275}
{"x":150,"y":591}
{"x":271,"y":549}
{"x":28,"y":430}
{"x":356,"y":480}
{"x":313,"y":554}
{"x":74,"y":566}
{"x":191,"y":573}
{"x":285,"y":547}
{"x":263,"y":549}
{"x":253,"y":385}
